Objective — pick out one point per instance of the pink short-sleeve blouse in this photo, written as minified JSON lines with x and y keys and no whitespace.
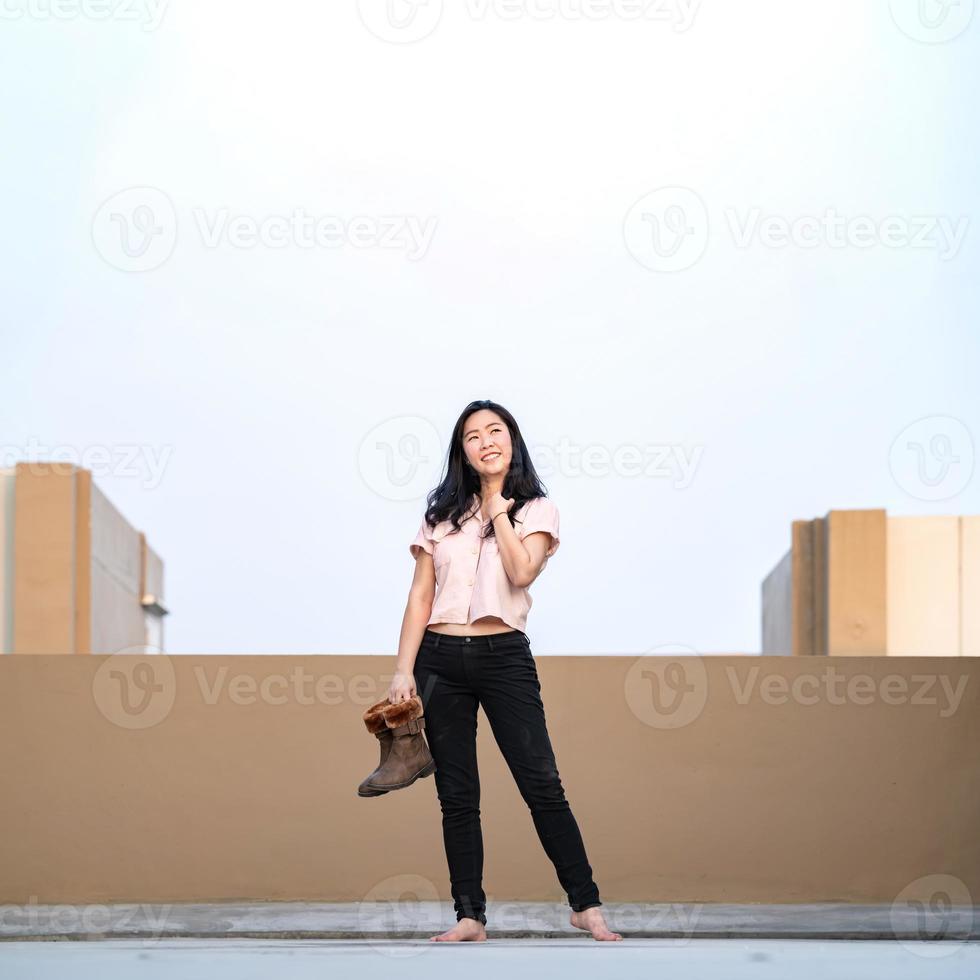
{"x":470,"y":579}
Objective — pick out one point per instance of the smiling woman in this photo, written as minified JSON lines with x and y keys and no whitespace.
{"x":487,"y":534}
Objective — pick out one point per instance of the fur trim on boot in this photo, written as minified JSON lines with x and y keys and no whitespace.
{"x":373,"y":717}
{"x":402,"y":712}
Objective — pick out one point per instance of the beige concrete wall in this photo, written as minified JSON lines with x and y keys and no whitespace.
{"x":7,"y":482}
{"x":777,"y":600}
{"x":835,"y":603}
{"x":809,"y":600}
{"x":794,"y":595}
{"x":116,"y":575}
{"x":77,"y":566}
{"x":924,"y":586}
{"x":970,"y":586}
{"x":83,"y":565}
{"x":151,"y":583}
{"x":45,"y":558}
{"x":745,"y":779}
{"x":856,"y":583}
{"x":864,"y":583}
{"x":153,"y":598}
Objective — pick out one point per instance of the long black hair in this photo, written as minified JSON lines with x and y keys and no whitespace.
{"x":451,"y":499}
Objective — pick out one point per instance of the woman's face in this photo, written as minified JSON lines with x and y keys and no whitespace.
{"x":486,"y":442}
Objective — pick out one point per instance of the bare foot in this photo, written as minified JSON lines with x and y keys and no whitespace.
{"x":592,"y":920}
{"x":465,"y":931}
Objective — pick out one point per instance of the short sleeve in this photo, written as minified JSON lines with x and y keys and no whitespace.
{"x":542,"y":515}
{"x":423,"y":540}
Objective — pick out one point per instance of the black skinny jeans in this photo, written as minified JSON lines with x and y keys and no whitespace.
{"x":453,"y":676}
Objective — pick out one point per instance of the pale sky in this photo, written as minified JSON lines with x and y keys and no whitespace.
{"x":719,"y":260}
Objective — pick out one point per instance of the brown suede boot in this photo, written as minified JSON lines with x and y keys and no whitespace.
{"x":375,"y":724}
{"x":409,"y":758}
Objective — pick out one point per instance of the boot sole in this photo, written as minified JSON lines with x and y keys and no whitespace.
{"x":427,"y":771}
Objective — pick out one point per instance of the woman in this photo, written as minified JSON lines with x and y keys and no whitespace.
{"x":487,"y":534}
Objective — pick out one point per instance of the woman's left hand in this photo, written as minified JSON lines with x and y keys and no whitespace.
{"x":497,"y":503}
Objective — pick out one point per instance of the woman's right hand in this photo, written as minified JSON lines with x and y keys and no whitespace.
{"x":402,"y":687}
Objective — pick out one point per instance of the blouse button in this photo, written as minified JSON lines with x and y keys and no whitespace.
{"x":470,"y":582}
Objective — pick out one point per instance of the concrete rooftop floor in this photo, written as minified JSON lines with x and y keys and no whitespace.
{"x":694,"y":959}
{"x":185,"y":941}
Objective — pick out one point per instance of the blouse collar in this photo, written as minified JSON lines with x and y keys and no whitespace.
{"x":474,"y":508}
